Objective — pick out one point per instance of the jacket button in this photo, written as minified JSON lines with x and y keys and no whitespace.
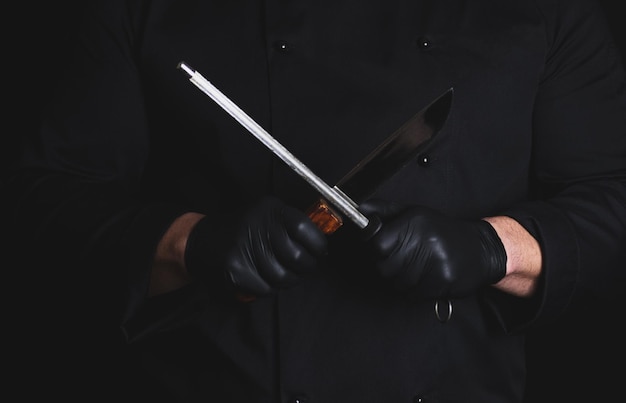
{"x":299,"y":399}
{"x":282,"y":46}
{"x":423,"y":160}
{"x":418,"y":399}
{"x":423,"y":43}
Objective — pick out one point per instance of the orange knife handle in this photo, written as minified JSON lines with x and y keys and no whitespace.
{"x":324,"y":216}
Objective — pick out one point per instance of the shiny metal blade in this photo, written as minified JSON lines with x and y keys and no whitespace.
{"x":397,"y":150}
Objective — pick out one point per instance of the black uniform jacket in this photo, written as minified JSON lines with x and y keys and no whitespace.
{"x":536,"y":131}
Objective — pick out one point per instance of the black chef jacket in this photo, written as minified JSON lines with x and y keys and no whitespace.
{"x":536,"y":132}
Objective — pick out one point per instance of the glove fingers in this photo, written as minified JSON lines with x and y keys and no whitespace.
{"x":279,"y":259}
{"x":295,"y":256}
{"x":243,"y":278}
{"x":380,"y":208}
{"x":301,"y":231}
{"x":401,"y":253}
{"x":276,"y":274}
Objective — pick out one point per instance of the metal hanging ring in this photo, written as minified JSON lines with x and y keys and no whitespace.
{"x":443,"y":318}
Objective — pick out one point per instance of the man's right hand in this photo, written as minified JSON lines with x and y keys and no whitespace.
{"x":270,"y":247}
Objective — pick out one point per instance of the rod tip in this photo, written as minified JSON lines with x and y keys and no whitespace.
{"x":185,"y":67}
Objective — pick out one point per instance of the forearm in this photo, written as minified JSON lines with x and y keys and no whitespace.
{"x":524,"y":258}
{"x":168,"y":270}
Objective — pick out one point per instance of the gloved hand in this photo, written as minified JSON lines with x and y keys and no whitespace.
{"x":431,"y":255}
{"x":269,"y":247}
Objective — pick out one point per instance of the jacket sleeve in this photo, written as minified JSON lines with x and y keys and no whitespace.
{"x":75,"y":191}
{"x":578,"y":208}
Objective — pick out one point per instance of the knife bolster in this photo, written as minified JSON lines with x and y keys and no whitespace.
{"x":325,"y":217}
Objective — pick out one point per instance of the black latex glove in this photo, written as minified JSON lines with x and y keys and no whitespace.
{"x":270,"y":246}
{"x":431,"y":255}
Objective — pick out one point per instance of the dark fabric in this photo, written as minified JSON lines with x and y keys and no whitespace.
{"x":536,"y":131}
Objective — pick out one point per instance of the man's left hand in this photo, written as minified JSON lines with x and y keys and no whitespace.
{"x":424,"y":252}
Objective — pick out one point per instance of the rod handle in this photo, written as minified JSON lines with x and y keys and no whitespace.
{"x":324,"y":216}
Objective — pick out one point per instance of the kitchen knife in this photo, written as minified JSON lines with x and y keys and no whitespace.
{"x":395,"y":152}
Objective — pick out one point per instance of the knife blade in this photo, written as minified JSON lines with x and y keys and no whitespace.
{"x":388,"y":158}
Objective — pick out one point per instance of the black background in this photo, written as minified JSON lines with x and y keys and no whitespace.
{"x":579,"y":359}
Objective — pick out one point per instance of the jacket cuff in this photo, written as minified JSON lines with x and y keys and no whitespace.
{"x":559,"y":273}
{"x":140,"y":243}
